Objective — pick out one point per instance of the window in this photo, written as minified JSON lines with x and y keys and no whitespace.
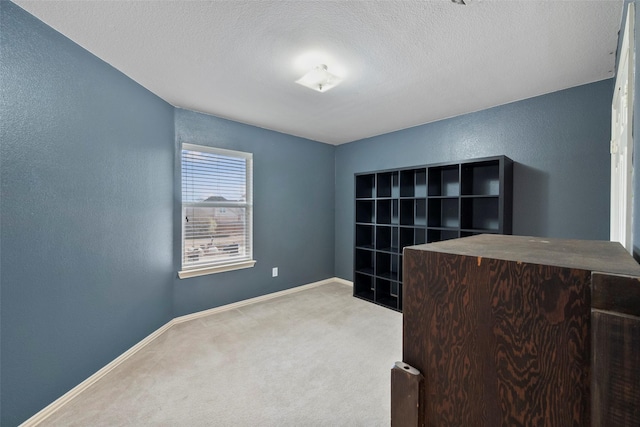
{"x":622,"y":170}
{"x":217,"y":212}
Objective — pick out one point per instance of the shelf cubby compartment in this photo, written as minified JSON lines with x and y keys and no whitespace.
{"x":400,"y":269}
{"x":387,"y":238}
{"x":407,"y":211}
{"x":407,"y":183}
{"x":388,"y":185}
{"x":383,"y":294}
{"x":365,"y":236}
{"x":396,"y":266}
{"x":411,"y":236}
{"x":383,"y":238}
{"x":363,"y":286}
{"x":383,"y":211}
{"x":395,"y":212}
{"x":421,"y":183}
{"x":365,"y":186}
{"x":395,"y":240}
{"x":365,"y":211}
{"x":420,"y":217}
{"x":406,"y":237}
{"x":480,"y":213}
{"x":444,"y":212}
{"x":387,"y":211}
{"x":364,"y":261}
{"x":413,"y":183}
{"x":481,"y":178}
{"x":387,"y":265}
{"x":444,"y":181}
{"x":438,"y":235}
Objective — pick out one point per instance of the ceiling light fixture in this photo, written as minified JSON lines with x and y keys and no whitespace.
{"x":319,"y":79}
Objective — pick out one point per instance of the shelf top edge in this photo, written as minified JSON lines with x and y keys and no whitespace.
{"x":452,"y":163}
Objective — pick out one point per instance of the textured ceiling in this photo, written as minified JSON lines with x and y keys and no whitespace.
{"x":405,"y":63}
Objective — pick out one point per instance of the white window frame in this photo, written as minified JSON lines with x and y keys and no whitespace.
{"x":622,"y":170}
{"x":187,"y":271}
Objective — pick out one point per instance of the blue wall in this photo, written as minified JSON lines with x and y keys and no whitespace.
{"x":87,"y":213}
{"x":293,"y":212}
{"x":560,"y":142}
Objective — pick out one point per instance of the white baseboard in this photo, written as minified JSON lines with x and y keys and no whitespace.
{"x":74,"y":392}
{"x":342,"y":281}
{"x":261,"y":298}
{"x":77,"y":390}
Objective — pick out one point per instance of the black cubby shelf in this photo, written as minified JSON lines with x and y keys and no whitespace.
{"x":423,"y":204}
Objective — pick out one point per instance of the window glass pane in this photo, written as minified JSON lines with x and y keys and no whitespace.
{"x":216,"y":207}
{"x":214,"y":235}
{"x":212,"y":177}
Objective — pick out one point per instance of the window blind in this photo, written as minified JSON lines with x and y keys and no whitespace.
{"x":216,"y":207}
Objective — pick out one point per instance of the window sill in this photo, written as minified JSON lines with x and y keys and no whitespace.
{"x":185,"y":274}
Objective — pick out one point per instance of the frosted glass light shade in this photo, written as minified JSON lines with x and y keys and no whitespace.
{"x":319,"y":79}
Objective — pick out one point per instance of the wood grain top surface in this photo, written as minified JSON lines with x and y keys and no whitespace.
{"x":591,"y":255}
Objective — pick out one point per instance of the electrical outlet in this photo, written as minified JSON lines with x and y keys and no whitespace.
{"x":274,"y":272}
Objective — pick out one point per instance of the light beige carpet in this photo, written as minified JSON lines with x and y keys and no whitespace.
{"x":318,"y":357}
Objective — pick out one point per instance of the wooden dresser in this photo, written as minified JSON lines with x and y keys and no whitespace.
{"x":521,"y":331}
